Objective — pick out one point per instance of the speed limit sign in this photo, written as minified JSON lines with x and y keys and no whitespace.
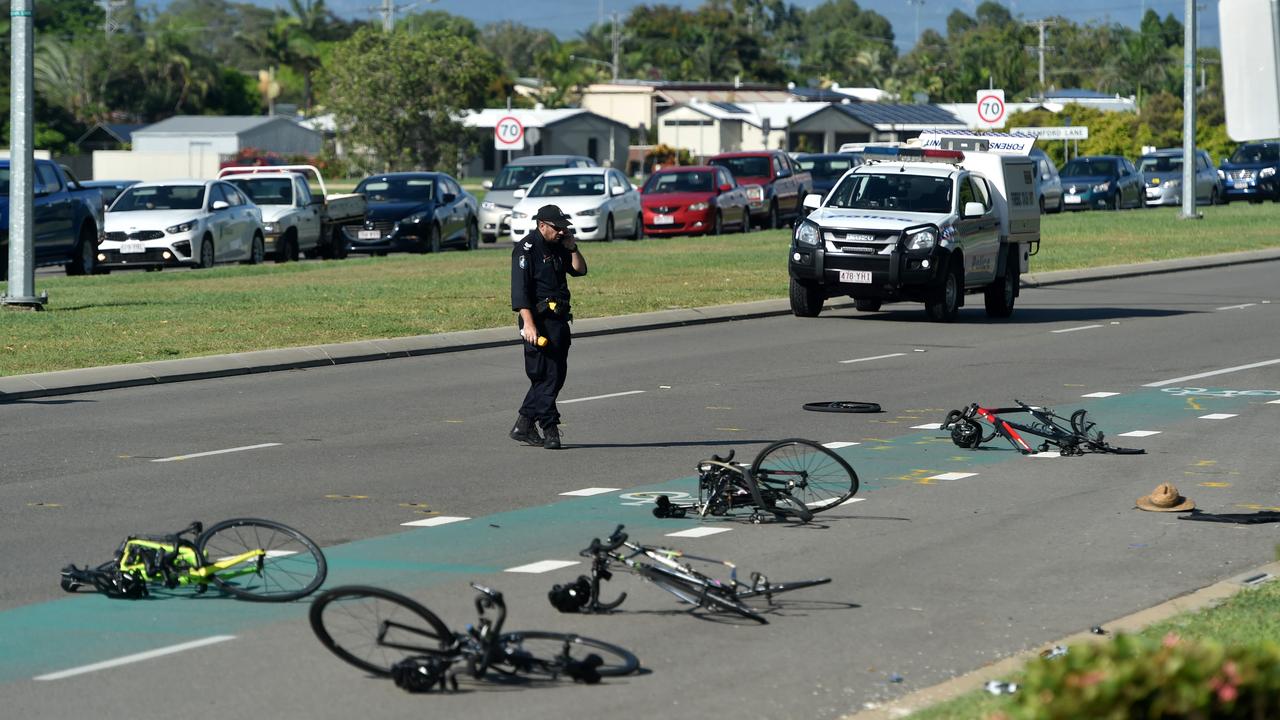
{"x":508,"y":134}
{"x":991,"y":108}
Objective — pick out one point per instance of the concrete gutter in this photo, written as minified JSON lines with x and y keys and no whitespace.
{"x":66,"y":382}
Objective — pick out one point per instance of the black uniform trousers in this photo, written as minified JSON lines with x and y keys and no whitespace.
{"x":547,"y":368}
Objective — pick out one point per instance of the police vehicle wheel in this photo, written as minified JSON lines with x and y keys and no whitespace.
{"x":806,"y":299}
{"x":867,"y":304}
{"x":1001,"y":294}
{"x":944,"y":306}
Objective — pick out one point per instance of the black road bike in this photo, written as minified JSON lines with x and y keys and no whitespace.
{"x":1075,"y":435}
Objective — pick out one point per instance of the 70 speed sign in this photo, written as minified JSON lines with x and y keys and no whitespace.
{"x":991,"y":110}
{"x":508,"y":134}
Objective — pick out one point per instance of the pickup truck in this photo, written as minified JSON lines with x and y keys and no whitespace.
{"x":926,"y":224}
{"x":66,"y":216}
{"x":775,"y":186}
{"x":298,"y":222}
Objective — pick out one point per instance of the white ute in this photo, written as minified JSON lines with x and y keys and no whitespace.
{"x":925,"y":224}
{"x":297,"y":222}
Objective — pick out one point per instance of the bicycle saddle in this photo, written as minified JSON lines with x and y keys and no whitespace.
{"x":725,"y":460}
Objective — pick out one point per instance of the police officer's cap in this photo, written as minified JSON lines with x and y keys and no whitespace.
{"x":553,"y":216}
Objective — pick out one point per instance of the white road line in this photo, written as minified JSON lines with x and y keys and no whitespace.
{"x":839,"y":444}
{"x":542,"y":566}
{"x":1217,"y":416}
{"x":1273,"y":402}
{"x":823,"y":503}
{"x":927,"y":426}
{"x":1046,"y":454}
{"x":1101,"y":394}
{"x":435,"y":521}
{"x":952,"y":476}
{"x":1139,"y":433}
{"x":698,"y":532}
{"x":216,"y":452}
{"x":136,"y":657}
{"x":1082,"y":327}
{"x":600,"y":397}
{"x":1211,"y":373}
{"x":588,"y":492}
{"x":1237,"y":307}
{"x":874,"y":357}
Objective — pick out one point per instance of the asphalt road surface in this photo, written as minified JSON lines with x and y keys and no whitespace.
{"x":932,"y":576}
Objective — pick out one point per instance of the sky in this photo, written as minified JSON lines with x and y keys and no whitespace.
{"x":568,"y":17}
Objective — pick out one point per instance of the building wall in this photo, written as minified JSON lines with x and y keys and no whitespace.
{"x":569,"y":137}
{"x":285,"y":137}
{"x":215,"y":144}
{"x":833,"y":127}
{"x":136,"y":165}
{"x":690,"y":130}
{"x":632,"y":109}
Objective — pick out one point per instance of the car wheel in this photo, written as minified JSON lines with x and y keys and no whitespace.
{"x":433,"y":240}
{"x":1116,"y":203}
{"x":1042,"y":205}
{"x":637,"y":231}
{"x":806,"y":299}
{"x":206,"y":253}
{"x":867,"y":304}
{"x":773,"y":215}
{"x":1001,"y":294}
{"x":86,"y":254}
{"x":746,"y":220}
{"x":717,"y":225}
{"x":282,"y":254}
{"x":473,"y":236}
{"x":608,"y":229}
{"x":944,"y":306}
{"x":256,"y":251}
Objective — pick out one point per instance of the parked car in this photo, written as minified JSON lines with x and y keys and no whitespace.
{"x":298,"y":222}
{"x":155,"y":225}
{"x":826,"y":168}
{"x":780,"y":185}
{"x":495,"y":211}
{"x":1048,"y":182}
{"x":1162,"y":171}
{"x":694,"y":200}
{"x":1251,"y":172}
{"x":415,"y":212}
{"x":110,"y":189}
{"x":601,"y":201}
{"x":66,"y":219}
{"x":1101,"y":182}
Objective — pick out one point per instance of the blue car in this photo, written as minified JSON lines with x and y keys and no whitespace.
{"x":1250,"y":172}
{"x":1101,"y":182}
{"x":414,"y":212}
{"x":827,"y":168}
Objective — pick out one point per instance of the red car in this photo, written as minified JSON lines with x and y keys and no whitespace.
{"x":694,"y":200}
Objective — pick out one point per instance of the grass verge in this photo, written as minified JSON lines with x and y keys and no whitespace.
{"x":135,"y":317}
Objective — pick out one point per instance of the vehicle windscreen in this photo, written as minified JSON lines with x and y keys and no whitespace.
{"x":1085,"y":167}
{"x":826,"y":168}
{"x":745,"y":166}
{"x":567,"y":185}
{"x":907,"y":193}
{"x":397,"y":189}
{"x":1256,"y":153}
{"x":514,"y":176}
{"x":266,"y":191}
{"x":160,"y":197}
{"x":678,"y":182}
{"x":1161,"y":164}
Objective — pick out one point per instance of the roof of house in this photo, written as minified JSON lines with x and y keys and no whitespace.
{"x":212,"y":124}
{"x":535,"y":118}
{"x":121,"y":132}
{"x":883,"y":115}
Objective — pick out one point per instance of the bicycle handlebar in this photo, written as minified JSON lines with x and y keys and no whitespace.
{"x":614,"y":542}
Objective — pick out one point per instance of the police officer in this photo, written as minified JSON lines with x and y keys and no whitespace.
{"x":540,"y":295}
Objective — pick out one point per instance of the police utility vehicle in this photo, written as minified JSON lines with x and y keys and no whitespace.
{"x":924,"y":224}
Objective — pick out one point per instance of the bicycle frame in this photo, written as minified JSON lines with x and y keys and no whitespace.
{"x":721,"y":479}
{"x":179,"y":564}
{"x":1073,"y":438}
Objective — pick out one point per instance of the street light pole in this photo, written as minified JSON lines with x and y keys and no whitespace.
{"x":22,"y":270}
{"x":1189,"y":114}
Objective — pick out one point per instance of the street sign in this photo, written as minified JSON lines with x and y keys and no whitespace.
{"x":508,"y":134}
{"x":1250,"y":67}
{"x":991,"y":108}
{"x":1070,"y":132}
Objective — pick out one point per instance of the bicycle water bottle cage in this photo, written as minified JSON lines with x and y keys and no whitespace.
{"x":419,"y":674}
{"x":571,"y":598}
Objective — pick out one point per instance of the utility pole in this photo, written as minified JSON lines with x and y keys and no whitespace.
{"x":1189,"y":114}
{"x":616,"y":39}
{"x":22,"y":269}
{"x":1041,"y":48}
{"x":390,"y":8}
{"x":918,"y":4}
{"x":109,"y":25}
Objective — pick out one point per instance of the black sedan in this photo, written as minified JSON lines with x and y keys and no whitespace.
{"x":1101,"y":182}
{"x":414,"y":212}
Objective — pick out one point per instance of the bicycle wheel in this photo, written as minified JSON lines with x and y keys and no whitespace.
{"x":550,"y":654}
{"x":374,"y":629}
{"x":843,"y":406}
{"x":810,"y":473}
{"x":281,"y":564}
{"x":698,"y":591}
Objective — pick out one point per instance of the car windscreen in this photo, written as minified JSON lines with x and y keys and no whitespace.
{"x":160,"y":197}
{"x":1256,"y":153}
{"x":825,"y":168}
{"x":677,"y":182}
{"x":741,"y":167}
{"x":266,"y":191}
{"x":1085,"y":167}
{"x":514,"y":176}
{"x":397,"y":189}
{"x":1160,"y":163}
{"x":907,"y":193}
{"x":567,"y":185}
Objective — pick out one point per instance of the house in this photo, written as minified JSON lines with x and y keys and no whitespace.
{"x":637,"y":103}
{"x":107,"y":136}
{"x":227,"y":135}
{"x":568,"y":131}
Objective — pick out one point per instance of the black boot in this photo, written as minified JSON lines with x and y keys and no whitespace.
{"x":551,"y":437}
{"x":524,"y":431}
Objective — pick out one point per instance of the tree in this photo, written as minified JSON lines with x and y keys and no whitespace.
{"x":406,"y":113}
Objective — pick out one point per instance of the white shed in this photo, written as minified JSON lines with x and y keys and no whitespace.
{"x":227,"y":135}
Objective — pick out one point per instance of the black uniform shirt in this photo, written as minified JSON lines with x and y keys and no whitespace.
{"x":538,"y":270}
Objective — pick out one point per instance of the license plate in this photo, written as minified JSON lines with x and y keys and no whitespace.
{"x":132,"y":246}
{"x":1071,"y":199}
{"x":368,"y":234}
{"x":664,"y":220}
{"x":855,"y":276}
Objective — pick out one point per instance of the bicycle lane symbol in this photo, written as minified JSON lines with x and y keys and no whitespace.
{"x":649,"y":497}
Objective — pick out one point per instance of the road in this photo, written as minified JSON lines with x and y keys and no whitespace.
{"x":931,"y":577}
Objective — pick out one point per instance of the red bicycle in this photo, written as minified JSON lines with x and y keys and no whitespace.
{"x":1071,"y":436}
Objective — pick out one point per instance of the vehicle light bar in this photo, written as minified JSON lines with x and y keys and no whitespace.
{"x":912,"y":154}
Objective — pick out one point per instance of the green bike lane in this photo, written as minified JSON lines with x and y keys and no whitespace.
{"x":85,"y":629}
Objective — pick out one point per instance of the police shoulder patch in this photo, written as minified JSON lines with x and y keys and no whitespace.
{"x":524,"y":261}
{"x":528,"y":246}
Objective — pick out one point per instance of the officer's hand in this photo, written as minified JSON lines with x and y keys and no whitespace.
{"x":529,"y":333}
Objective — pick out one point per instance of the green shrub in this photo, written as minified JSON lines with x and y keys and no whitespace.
{"x":1136,"y":677}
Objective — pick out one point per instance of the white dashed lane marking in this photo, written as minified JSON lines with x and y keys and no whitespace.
{"x":601,"y":397}
{"x":588,"y":492}
{"x":136,"y":657}
{"x":1237,"y":307}
{"x":927,"y":426}
{"x":1046,"y":454}
{"x":542,"y":566}
{"x":435,"y":521}
{"x":839,"y":444}
{"x":823,"y":503}
{"x":873,"y":357}
{"x":216,"y":452}
{"x":952,"y":476}
{"x":1082,"y":327}
{"x":1273,"y":402}
{"x":1100,"y":394}
{"x":1211,"y":373}
{"x":698,"y":532}
{"x":1217,"y":416}
{"x":1139,"y":433}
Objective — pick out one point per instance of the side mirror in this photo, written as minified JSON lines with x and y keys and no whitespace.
{"x":974,"y":209}
{"x":448,"y":198}
{"x":220,"y":205}
{"x":617,"y":190}
{"x":813,"y":201}
{"x":487,"y":184}
{"x":519,"y":193}
{"x":783,"y":172}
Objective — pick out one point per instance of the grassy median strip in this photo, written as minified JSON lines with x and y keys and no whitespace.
{"x":131,"y":316}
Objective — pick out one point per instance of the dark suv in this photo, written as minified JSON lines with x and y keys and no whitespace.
{"x":1250,"y":172}
{"x":775,"y":185}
